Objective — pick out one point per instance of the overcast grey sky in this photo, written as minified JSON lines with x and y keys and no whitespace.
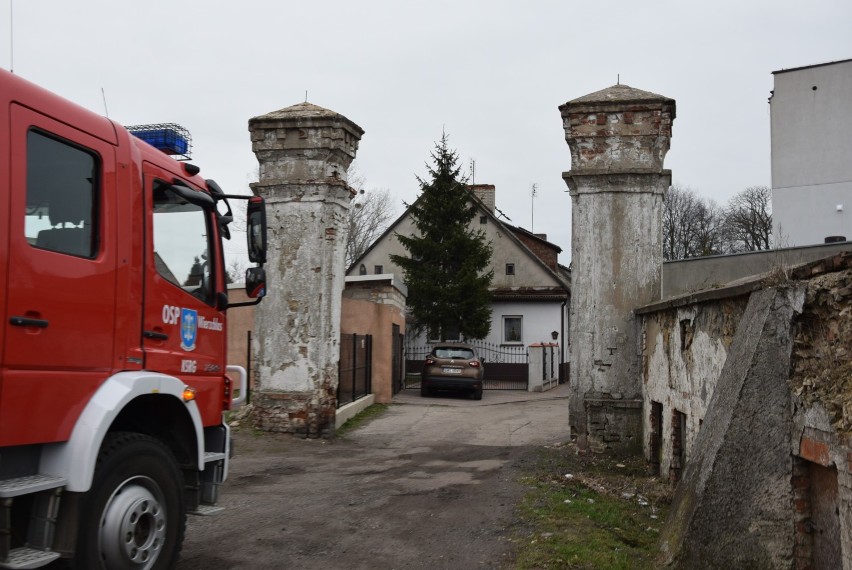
{"x":490,"y":73}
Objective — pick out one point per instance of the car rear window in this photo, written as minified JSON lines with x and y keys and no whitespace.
{"x":444,"y":352}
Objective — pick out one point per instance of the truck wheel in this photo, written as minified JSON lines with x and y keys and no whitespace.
{"x":134,"y":516}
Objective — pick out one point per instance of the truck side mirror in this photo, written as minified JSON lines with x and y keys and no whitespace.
{"x":256,"y":282}
{"x":256,"y":230}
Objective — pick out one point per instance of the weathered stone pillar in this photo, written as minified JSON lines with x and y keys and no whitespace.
{"x":304,"y":152}
{"x":618,"y":139}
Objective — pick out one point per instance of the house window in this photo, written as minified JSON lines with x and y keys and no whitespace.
{"x":377,"y":270}
{"x":483,"y":219}
{"x":362,"y":270}
{"x":510,"y":269}
{"x":513,"y":329}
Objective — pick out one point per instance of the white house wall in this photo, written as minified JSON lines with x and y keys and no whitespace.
{"x":539,"y":321}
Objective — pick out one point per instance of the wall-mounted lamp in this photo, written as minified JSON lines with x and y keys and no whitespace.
{"x":554,"y":335}
{"x":840,"y":207}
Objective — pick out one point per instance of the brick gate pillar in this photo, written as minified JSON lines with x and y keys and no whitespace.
{"x":618,"y":138}
{"x":304,"y":152}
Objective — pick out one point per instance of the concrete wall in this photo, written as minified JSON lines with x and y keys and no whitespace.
{"x":811,"y":120}
{"x":372,"y":305}
{"x":699,"y":273}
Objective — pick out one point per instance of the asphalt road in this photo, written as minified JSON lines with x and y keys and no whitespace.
{"x":432,"y":483}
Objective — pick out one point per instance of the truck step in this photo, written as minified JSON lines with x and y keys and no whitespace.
{"x":207,"y":510}
{"x":26,"y":557}
{"x":29,"y":484}
{"x":210,"y":456}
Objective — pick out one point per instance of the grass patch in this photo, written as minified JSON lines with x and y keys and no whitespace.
{"x":589,"y":511}
{"x":362,"y":418}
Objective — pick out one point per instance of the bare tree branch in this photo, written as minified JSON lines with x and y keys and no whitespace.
{"x":370,"y":214}
{"x":748,"y":220}
{"x":691,"y":227}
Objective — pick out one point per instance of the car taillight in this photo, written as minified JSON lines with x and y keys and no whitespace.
{"x":429,"y":362}
{"x":474,"y":363}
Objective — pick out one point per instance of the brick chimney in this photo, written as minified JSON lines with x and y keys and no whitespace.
{"x":484,"y":192}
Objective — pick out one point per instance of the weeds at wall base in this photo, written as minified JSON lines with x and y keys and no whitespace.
{"x":589,"y":511}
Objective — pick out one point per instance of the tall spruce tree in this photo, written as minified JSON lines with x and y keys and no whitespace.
{"x":445,"y":270}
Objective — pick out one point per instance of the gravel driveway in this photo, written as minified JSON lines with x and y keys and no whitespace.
{"x":432,"y":483}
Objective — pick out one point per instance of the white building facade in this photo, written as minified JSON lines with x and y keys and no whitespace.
{"x":811,"y":122}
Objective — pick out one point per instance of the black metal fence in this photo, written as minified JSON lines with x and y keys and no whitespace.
{"x":354,"y":368}
{"x":506,"y":366}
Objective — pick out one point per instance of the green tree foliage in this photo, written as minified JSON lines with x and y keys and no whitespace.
{"x":445,"y":270}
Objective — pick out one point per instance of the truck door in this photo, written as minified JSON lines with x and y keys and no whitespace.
{"x":60,"y":286}
{"x":183,"y":330}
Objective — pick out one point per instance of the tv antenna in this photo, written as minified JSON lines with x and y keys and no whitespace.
{"x":533,"y":192}
{"x":11,"y":36}
{"x":473,"y":172}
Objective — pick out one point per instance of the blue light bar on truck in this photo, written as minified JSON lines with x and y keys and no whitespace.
{"x":170,"y":138}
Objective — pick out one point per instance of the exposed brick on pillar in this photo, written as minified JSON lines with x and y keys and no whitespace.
{"x":304,"y":152}
{"x":618,"y":138}
{"x":803,"y":545}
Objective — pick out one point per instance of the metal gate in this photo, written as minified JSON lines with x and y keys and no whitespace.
{"x":397,"y":360}
{"x":354,"y":378}
{"x":506,"y":366}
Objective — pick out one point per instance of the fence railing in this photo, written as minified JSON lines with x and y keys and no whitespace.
{"x":492,"y":353}
{"x":506,"y":366}
{"x":355,"y":368}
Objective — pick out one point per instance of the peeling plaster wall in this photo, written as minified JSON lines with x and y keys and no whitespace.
{"x":304,"y":152}
{"x":618,"y":138}
{"x":610,"y":243}
{"x":300,"y":317}
{"x":685,"y":350}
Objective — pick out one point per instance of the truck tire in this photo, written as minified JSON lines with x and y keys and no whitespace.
{"x":134,"y":515}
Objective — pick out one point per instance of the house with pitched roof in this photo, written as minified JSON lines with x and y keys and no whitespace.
{"x":531,"y":291}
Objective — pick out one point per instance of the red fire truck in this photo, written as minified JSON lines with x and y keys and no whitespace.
{"x":113,"y":380}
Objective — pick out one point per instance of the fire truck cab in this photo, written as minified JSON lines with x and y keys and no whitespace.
{"x":113,"y":380}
